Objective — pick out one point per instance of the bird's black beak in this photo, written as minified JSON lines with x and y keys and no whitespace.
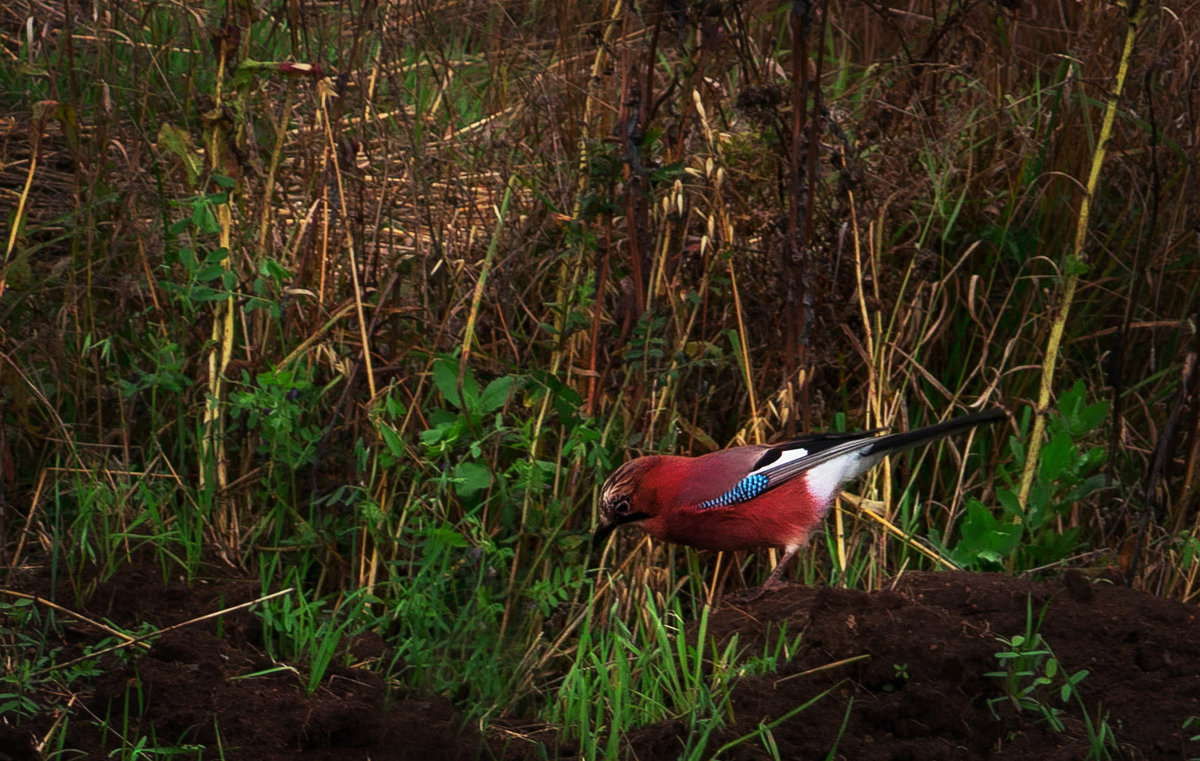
{"x":602,"y":533}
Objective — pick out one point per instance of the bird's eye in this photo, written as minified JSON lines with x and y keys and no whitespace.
{"x":619,"y":505}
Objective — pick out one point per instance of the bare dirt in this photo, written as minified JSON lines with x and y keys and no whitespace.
{"x":920,"y":692}
{"x":923,"y":693}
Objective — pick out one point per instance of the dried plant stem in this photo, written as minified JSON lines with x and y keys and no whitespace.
{"x":213,"y":471}
{"x":744,"y":359}
{"x":481,"y":283}
{"x":142,"y":639}
{"x":22,"y":199}
{"x":1079,"y":256}
{"x":363,"y":335}
{"x":38,"y":600}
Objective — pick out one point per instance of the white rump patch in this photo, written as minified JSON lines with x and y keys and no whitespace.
{"x":825,"y":480}
{"x":789,"y":455}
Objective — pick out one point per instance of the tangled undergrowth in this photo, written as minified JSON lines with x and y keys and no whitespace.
{"x":365,"y":300}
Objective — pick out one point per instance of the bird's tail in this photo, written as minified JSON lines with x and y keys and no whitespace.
{"x":896,"y":442}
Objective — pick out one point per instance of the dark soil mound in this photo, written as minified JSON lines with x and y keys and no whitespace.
{"x":906,"y":670}
{"x":922,"y":691}
{"x":191,"y":687}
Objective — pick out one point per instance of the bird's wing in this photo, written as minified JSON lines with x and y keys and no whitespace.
{"x":808,"y":446}
{"x":869,"y":448}
{"x":761,"y":468}
{"x":843,"y":455}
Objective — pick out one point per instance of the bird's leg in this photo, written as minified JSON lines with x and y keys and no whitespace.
{"x":772,"y":583}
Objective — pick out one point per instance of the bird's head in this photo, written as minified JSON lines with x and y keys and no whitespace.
{"x":624,"y":499}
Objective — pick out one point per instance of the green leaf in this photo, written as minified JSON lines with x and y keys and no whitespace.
{"x":1008,"y":500}
{"x":442,"y":537}
{"x":440,"y":431}
{"x":1090,"y":459}
{"x":445,"y":377}
{"x":204,"y":293}
{"x":1092,"y":416}
{"x":1038,"y":509}
{"x":985,"y":541}
{"x":179,"y":142}
{"x":1071,"y":400}
{"x":204,"y":220}
{"x":470,"y":388}
{"x":392,"y":440}
{"x":1075,"y":266}
{"x":1057,"y":456}
{"x":1016,"y":448}
{"x":210,"y":272}
{"x":273,"y":269}
{"x":394,"y":407}
{"x":471,"y":478}
{"x":496,"y":394}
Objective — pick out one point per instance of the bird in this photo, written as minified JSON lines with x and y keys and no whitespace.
{"x":755,"y":496}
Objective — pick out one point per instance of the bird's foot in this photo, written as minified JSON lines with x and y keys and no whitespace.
{"x":750,"y":595}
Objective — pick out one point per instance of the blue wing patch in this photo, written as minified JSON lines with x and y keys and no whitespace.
{"x":746,"y":489}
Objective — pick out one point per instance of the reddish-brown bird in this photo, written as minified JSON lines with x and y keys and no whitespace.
{"x":754,"y":496}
